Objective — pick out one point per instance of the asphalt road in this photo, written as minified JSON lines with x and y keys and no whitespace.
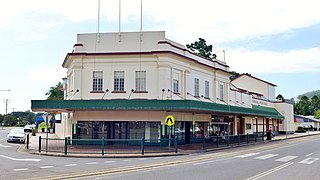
{"x":290,"y":159}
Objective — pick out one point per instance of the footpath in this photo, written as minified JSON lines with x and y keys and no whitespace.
{"x":82,"y":150}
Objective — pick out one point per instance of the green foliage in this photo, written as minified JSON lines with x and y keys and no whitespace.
{"x":317,"y":114}
{"x":310,"y":94}
{"x":55,"y":92}
{"x":234,"y":75}
{"x":18,"y":118}
{"x":303,"y":106}
{"x":280,"y":98}
{"x":10,"y":120}
{"x":201,"y":48}
{"x":315,"y":104}
{"x":300,"y":130}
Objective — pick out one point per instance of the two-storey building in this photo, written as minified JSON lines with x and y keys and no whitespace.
{"x":123,"y":85}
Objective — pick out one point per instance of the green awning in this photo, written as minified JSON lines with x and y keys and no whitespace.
{"x":154,"y":104}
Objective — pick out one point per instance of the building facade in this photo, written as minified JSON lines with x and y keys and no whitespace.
{"x":123,"y":85}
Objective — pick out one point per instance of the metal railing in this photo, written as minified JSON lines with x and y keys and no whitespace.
{"x":142,"y":146}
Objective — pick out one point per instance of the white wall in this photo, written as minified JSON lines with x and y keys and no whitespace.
{"x":286,"y":110}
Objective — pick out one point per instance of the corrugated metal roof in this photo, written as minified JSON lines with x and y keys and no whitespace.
{"x":158,"y":105}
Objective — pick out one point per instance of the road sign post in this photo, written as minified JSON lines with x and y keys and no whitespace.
{"x":169,"y":122}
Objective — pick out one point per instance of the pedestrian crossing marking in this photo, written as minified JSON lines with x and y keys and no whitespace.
{"x":247,"y":155}
{"x":286,"y":158}
{"x":267,"y":156}
{"x":309,"y":160}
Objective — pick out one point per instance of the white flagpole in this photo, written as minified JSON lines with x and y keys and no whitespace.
{"x":119,"y":16}
{"x":141,"y":18}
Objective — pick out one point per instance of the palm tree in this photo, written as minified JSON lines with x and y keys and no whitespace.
{"x":55,"y":92}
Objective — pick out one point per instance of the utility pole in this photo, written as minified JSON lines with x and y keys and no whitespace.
{"x":6,"y":101}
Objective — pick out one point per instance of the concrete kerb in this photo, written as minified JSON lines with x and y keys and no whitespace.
{"x":182,"y":152}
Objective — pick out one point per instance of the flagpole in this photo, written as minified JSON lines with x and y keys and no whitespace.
{"x":141,"y":17}
{"x":119,"y":16}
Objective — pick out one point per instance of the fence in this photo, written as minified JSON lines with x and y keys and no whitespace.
{"x":142,"y":146}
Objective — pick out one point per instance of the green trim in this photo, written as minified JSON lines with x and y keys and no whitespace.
{"x":153,"y":104}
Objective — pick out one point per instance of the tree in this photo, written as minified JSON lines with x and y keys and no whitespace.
{"x":234,"y":75}
{"x":317,"y":114}
{"x":55,"y":92}
{"x":314,"y":104}
{"x":10,"y":120}
{"x":280,"y":98}
{"x":303,"y":106}
{"x":201,"y":48}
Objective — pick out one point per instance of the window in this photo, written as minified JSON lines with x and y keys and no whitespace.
{"x":118,"y":81}
{"x":248,"y":126}
{"x":97,"y":80}
{"x":140,"y":80}
{"x":196,"y":87}
{"x":206,"y":89}
{"x":221,"y":92}
{"x":176,"y":86}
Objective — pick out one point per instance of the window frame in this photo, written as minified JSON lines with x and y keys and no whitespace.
{"x":176,"y":86}
{"x":141,"y":82}
{"x":196,"y":87}
{"x":97,"y":81}
{"x":206,"y":89}
{"x":118,"y":81}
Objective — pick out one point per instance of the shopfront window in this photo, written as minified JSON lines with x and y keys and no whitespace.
{"x":179,"y":129}
{"x":136,"y":130}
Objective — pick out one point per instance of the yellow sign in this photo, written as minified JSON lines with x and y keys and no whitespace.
{"x":169,"y":120}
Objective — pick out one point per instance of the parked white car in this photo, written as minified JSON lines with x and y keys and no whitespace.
{"x":16,"y":135}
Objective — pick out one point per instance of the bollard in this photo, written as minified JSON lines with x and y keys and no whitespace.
{"x":255,"y":137}
{"x":142,"y":146}
{"x":228,"y":138}
{"x":176,"y":143}
{"x":65,"y":146}
{"x":27,"y":141}
{"x":217,"y":137}
{"x":203,"y":143}
{"x":102,"y":146}
{"x":39,"y":144}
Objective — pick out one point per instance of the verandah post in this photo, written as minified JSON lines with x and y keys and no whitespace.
{"x":247,"y":138}
{"x":142,"y":146}
{"x":176,"y":143}
{"x":102,"y":146}
{"x":238,"y":139}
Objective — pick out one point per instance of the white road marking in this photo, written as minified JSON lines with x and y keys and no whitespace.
{"x":247,"y":155}
{"x":309,"y":160}
{"x":267,"y":156}
{"x":142,"y":159}
{"x":46,"y":167}
{"x":22,"y":169}
{"x":14,"y":159}
{"x":68,"y":165}
{"x":286,"y":158}
{"x":309,"y":154}
{"x":92,"y":163}
{"x":258,"y":176}
{"x":206,"y":162}
{"x":157,"y":157}
{"x":109,"y":161}
{"x":127,"y":160}
{"x":4,"y":146}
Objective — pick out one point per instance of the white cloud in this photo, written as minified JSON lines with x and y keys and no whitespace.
{"x":47,"y":75}
{"x":186,"y":20}
{"x":268,"y":62}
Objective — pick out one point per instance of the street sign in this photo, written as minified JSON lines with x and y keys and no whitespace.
{"x":169,"y":120}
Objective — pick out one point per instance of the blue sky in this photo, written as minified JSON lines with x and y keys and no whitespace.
{"x":277,"y":41}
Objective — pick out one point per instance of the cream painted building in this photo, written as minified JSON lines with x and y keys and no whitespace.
{"x":123,"y":85}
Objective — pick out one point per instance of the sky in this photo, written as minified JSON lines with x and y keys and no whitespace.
{"x":277,"y":41}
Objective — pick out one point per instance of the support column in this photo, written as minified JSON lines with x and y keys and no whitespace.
{"x":235,"y":125}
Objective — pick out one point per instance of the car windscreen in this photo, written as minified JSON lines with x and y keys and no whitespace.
{"x":17,"y":131}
